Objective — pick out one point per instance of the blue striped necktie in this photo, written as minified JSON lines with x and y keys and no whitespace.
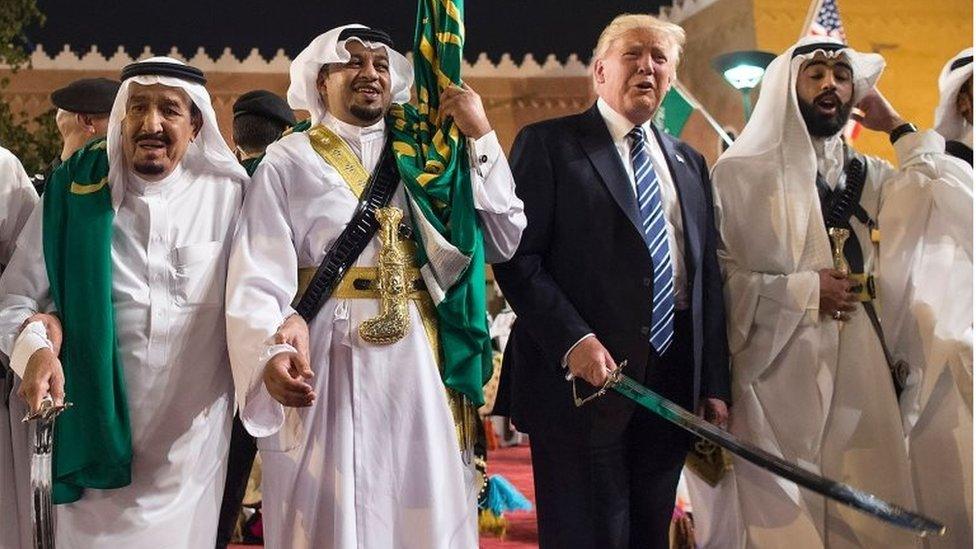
{"x":656,"y":236}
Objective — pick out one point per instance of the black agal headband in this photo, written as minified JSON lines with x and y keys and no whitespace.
{"x":161,"y":68}
{"x":810,"y":48}
{"x":367,"y":35}
{"x":961,"y":62}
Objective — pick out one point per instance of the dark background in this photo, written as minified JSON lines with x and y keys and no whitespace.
{"x":517,"y":27}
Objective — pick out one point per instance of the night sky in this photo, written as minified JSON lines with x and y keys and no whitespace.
{"x":493,"y":26}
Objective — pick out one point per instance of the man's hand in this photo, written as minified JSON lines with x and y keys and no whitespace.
{"x":285,"y":377}
{"x":43,"y":375}
{"x":294,"y":331}
{"x":835,"y":294}
{"x":52,"y":325}
{"x":878,"y":114}
{"x":465,"y":107}
{"x":715,"y":411}
{"x":591,"y":361}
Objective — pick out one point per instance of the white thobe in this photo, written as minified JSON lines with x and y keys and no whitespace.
{"x":374,"y":462}
{"x":17,"y":200}
{"x":926,"y":291}
{"x":806,"y":387}
{"x":170,"y":243}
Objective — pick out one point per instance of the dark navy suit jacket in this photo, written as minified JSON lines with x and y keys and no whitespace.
{"x":583,"y":267}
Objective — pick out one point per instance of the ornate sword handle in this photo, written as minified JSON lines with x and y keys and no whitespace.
{"x":612,"y":379}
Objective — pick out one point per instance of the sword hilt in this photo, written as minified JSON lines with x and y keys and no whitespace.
{"x":47,"y":411}
{"x":612,"y":379}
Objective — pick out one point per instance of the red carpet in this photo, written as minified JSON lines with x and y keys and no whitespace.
{"x":515,"y":465}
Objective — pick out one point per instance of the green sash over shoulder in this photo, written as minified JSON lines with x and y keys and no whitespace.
{"x":433,"y":163}
{"x":92,"y":442}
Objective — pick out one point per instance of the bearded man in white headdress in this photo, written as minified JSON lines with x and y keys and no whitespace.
{"x":926,"y":293}
{"x":17,"y":200}
{"x":129,"y":252}
{"x":810,"y":378}
{"x":359,"y":447}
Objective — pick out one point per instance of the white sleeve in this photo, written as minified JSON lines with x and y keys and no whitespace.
{"x":17,"y":201}
{"x":261,"y":281}
{"x":493,"y":187}
{"x":24,"y":287}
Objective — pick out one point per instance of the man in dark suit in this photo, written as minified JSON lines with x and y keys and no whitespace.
{"x":617,"y":263}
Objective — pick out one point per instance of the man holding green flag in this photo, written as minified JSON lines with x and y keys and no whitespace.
{"x":366,"y":439}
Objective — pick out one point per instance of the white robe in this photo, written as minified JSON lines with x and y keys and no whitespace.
{"x":926,"y":292}
{"x":374,"y":462}
{"x":170,"y":243}
{"x":17,"y":200}
{"x":806,"y":387}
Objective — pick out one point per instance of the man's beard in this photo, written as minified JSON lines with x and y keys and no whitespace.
{"x":820,"y":125}
{"x":366,"y":114}
{"x":148,"y":168}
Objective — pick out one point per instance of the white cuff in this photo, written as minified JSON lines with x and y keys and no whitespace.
{"x":32,"y":338}
{"x":565,"y":362}
{"x":484,"y":152}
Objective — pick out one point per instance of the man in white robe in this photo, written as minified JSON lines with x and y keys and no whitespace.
{"x":173,"y":192}
{"x":926,"y":293}
{"x":17,"y":200}
{"x":810,"y":380}
{"x":366,"y":453}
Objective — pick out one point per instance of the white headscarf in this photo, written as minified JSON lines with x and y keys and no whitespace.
{"x":207,"y":151}
{"x":303,"y":94}
{"x":777,"y":145}
{"x":947,"y":119}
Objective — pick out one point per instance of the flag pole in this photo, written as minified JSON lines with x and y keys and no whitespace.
{"x":811,"y":14}
{"x":698,"y":107}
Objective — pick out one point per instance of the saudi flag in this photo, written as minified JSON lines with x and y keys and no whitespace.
{"x":432,"y":159}
{"x":673,"y":113}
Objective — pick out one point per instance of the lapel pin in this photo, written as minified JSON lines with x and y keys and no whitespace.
{"x":678,"y":156}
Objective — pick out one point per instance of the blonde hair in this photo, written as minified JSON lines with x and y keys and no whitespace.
{"x":627,"y":22}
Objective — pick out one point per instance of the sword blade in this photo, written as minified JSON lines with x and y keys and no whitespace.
{"x":837,"y":491}
{"x":42,"y":510}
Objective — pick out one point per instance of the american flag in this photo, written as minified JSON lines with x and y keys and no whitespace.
{"x":826,"y":22}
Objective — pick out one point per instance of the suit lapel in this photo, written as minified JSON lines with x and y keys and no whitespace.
{"x":689,"y":196}
{"x":598,"y":145}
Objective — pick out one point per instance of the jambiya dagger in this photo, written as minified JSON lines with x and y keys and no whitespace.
{"x":837,"y":491}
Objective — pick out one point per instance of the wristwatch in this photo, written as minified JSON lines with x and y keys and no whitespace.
{"x":901,"y":130}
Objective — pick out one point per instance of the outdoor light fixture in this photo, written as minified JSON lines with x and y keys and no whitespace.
{"x":743,"y":70}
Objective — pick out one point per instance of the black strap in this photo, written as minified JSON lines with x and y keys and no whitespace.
{"x":960,"y":151}
{"x":838,"y":206}
{"x":354,"y":238}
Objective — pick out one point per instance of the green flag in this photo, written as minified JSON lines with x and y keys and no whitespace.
{"x":673,"y":113}
{"x":433,"y":163}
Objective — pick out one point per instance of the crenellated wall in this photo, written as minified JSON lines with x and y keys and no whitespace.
{"x":915,"y":37}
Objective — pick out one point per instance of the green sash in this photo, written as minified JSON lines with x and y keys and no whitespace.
{"x":433,"y":163}
{"x":92,"y":441}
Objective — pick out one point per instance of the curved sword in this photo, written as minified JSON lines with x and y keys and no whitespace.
{"x":837,"y":491}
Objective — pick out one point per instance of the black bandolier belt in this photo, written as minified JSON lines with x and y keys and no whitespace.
{"x":839,"y":206}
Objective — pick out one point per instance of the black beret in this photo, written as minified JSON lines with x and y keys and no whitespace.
{"x":87,"y":96}
{"x":162,"y":68}
{"x":266,"y":104}
{"x":367,"y":35}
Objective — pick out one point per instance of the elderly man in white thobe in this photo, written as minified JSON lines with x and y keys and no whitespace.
{"x":367,"y":453}
{"x":926,"y":293}
{"x":129,"y":251}
{"x":810,"y":378}
{"x":17,"y":200}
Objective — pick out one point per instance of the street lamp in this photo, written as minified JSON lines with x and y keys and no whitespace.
{"x":743,"y":70}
